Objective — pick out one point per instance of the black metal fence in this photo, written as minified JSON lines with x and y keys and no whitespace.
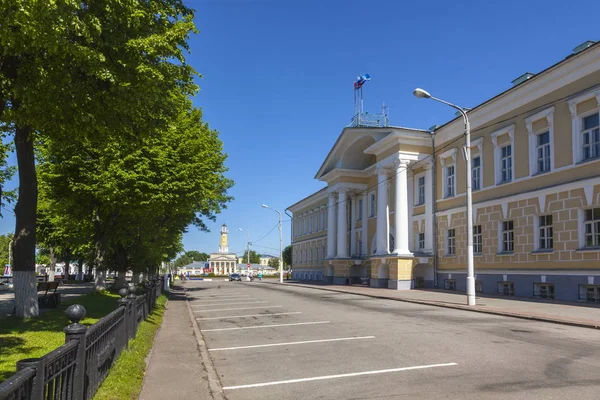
{"x":76,"y":370}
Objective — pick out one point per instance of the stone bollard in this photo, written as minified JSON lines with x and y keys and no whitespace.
{"x":77,"y":331}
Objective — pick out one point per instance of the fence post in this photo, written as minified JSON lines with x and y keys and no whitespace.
{"x":77,"y":331}
{"x":133,"y":310}
{"x":122,"y":302}
{"x":37,"y":391}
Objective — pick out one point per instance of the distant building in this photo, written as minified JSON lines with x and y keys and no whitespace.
{"x":223,"y":262}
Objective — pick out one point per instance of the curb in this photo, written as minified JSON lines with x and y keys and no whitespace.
{"x":214,"y":384}
{"x":590,"y":325}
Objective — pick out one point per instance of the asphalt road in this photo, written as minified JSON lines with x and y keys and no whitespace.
{"x":273,"y":342}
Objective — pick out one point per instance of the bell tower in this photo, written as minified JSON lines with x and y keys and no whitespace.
{"x":223,"y":247}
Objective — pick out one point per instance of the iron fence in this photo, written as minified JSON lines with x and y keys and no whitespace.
{"x":76,"y":370}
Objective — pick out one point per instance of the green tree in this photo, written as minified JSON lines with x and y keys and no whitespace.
{"x":274,"y":262}
{"x":5,"y":242}
{"x":196,"y":255}
{"x":76,"y":70}
{"x":287,"y":256}
{"x":254,"y":257}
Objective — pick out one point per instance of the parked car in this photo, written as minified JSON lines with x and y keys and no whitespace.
{"x":235,"y":277}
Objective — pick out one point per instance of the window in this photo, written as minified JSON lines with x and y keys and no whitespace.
{"x":360,"y":207}
{"x":543,"y":152}
{"x":506,"y":288}
{"x":508,"y":236}
{"x":589,"y":293}
{"x":421,"y":245}
{"x":421,"y":187}
{"x":477,"y":240}
{"x":450,"y":243}
{"x":476,"y":173}
{"x":449,"y":187}
{"x":506,"y":163}
{"x":591,"y":137}
{"x":450,"y":284}
{"x":543,"y":290}
{"x":372,"y":204}
{"x":545,"y":233}
{"x":592,"y":227}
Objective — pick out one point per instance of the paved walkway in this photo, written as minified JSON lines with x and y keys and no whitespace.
{"x":7,"y":298}
{"x":568,"y":313}
{"x":175,"y":367}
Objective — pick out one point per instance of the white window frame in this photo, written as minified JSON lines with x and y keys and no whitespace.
{"x":449,"y":181}
{"x":451,"y":242}
{"x":475,"y":242}
{"x":502,"y":249}
{"x":547,"y":114}
{"x":478,"y":143}
{"x":537,"y":228}
{"x":510,"y":131}
{"x":417,"y":197}
{"x":448,"y":159}
{"x":577,"y":121}
{"x":476,"y":175}
{"x":582,"y":229}
{"x":372,"y":205}
{"x":359,"y":206}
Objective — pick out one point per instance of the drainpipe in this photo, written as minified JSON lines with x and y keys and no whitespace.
{"x":434,"y":211}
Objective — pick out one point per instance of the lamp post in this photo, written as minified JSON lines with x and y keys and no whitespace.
{"x":280,"y":244}
{"x":422,"y":94}
{"x":247,"y":243}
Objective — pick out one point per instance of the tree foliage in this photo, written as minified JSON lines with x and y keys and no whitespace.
{"x":99,"y":91}
{"x":287,"y":256}
{"x":274,"y":262}
{"x":254,"y":257}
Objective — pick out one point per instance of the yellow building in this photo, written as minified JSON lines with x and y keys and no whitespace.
{"x":223,"y":262}
{"x":393,"y":214}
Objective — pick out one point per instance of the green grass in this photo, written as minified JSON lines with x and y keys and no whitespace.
{"x":34,"y":337}
{"x":125,"y":378}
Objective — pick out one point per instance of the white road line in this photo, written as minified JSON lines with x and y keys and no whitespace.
{"x":320,"y":378}
{"x":227,"y":299}
{"x":263,"y":326}
{"x":241,"y":308}
{"x":291,"y":343}
{"x":237,"y":303}
{"x":208,"y":298}
{"x":255,"y":315}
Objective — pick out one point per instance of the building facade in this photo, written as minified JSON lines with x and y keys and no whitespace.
{"x":393,"y":211}
{"x":223,"y":262}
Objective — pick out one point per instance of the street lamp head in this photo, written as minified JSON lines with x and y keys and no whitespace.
{"x":422,"y":94}
{"x":265,"y":206}
{"x":240,"y":229}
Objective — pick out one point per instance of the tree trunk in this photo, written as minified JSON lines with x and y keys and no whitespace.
{"x":52,"y":266}
{"x":81,"y":273}
{"x":137,"y":278}
{"x":120,"y":280}
{"x":26,"y":305}
{"x":100,"y":280}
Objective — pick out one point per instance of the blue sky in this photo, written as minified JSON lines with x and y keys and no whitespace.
{"x":277,"y":82}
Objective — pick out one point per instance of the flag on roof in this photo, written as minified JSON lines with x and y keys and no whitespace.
{"x":360,"y":81}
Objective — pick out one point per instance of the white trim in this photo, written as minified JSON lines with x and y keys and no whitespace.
{"x":576,"y":120}
{"x":553,"y":272}
{"x":547,"y":114}
{"x":527,"y":195}
{"x":510,"y":130}
{"x":448,"y":154}
{"x":445,"y":194}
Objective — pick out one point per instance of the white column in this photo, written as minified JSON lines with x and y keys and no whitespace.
{"x":401,"y":215}
{"x":331,"y":228}
{"x":342,"y":228}
{"x":380,"y":235}
{"x":410,"y":196}
{"x":365,"y":244}
{"x":352,"y":225}
{"x":429,"y":206}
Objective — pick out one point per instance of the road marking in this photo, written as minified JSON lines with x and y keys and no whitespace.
{"x":237,"y":303}
{"x":255,"y":315}
{"x":264,"y":326}
{"x":221,"y":297}
{"x":320,"y":378}
{"x":241,"y":308}
{"x":291,"y":343}
{"x":227,"y":299}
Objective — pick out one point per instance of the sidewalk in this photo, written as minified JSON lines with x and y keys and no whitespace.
{"x":175,"y":369}
{"x":576,"y":314}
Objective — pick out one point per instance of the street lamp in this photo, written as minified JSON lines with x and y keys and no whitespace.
{"x":248,"y":243}
{"x":422,"y":94}
{"x":280,"y":244}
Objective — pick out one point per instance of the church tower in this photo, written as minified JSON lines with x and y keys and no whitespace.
{"x":223,"y":247}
